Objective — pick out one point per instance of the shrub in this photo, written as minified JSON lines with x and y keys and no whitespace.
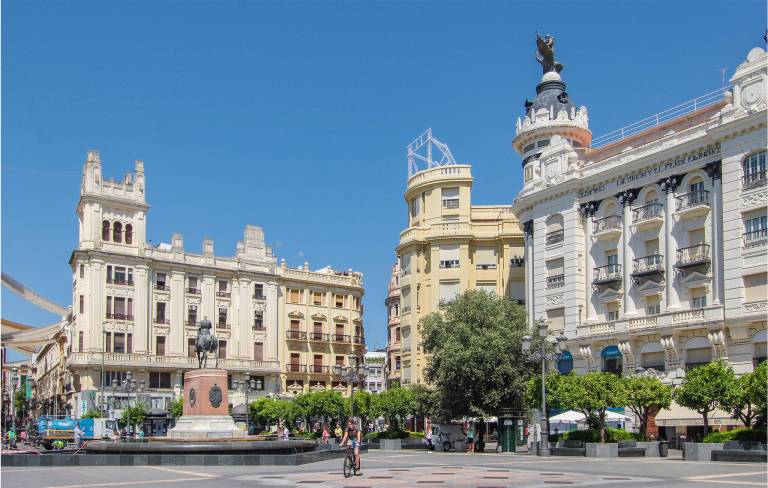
{"x":92,"y":414}
{"x":418,"y":435}
{"x":742,"y":434}
{"x":371,"y":436}
{"x":393,"y":434}
{"x":593,"y":435}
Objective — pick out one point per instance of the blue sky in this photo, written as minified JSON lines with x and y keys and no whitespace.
{"x":294,"y":116}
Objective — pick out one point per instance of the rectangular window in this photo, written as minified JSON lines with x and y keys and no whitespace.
{"x":120,"y":308}
{"x":755,"y":288}
{"x":222,"y":317}
{"x":109,"y":307}
{"x":450,"y":198}
{"x":192,"y":315}
{"x":120,"y":275}
{"x":339,"y":331}
{"x":160,"y":281}
{"x":114,"y":377}
{"x":159,"y":380}
{"x":415,"y":206}
{"x":192,"y":284}
{"x":448,"y":290}
{"x":449,"y":255}
{"x":258,"y":320}
{"x":82,"y":271}
{"x":528,"y":173}
{"x":160,"y":345}
{"x":80,"y":341}
{"x":339,"y":360}
{"x":317,"y":328}
{"x":191,"y":348}
{"x":222,"y":349}
{"x":652,"y":305}
{"x":119,"y":342}
{"x":108,"y":341}
{"x":129,"y":343}
{"x":109,"y":274}
{"x":556,"y":319}
{"x":317,"y":298}
{"x":405,"y":263}
{"x":485,"y":258}
{"x":82,"y":304}
{"x":612,"y":257}
{"x":397,"y":363}
{"x":258,"y":291}
{"x":338,"y":301}
{"x":612,"y":311}
{"x":295,"y":325}
{"x":652,"y":247}
{"x":698,"y":298}
{"x":405,"y":293}
{"x":223,"y":285}
{"x":294,"y":295}
{"x":258,"y":351}
{"x":160,"y":312}
{"x":295,"y":358}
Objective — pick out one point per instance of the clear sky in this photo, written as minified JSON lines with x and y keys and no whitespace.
{"x":294,"y":116}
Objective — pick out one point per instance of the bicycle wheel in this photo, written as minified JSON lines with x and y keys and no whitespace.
{"x":349,"y":465}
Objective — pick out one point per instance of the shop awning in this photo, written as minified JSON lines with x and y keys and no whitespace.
{"x":679,"y":416}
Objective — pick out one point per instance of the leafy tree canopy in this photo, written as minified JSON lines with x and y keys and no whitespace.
{"x":475,"y":353}
{"x":92,"y":414}
{"x":177,"y":407}
{"x":644,"y":394}
{"x":705,"y":387}
{"x":393,"y":404}
{"x":747,"y":400}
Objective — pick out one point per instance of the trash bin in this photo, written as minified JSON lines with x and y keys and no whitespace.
{"x":663,"y":448}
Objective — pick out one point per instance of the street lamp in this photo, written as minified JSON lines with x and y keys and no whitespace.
{"x":14,"y":378}
{"x":247,"y":385}
{"x":128,"y":386}
{"x":351,"y":374}
{"x":544,"y":354}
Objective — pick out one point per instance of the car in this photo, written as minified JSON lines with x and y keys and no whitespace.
{"x":447,"y":435}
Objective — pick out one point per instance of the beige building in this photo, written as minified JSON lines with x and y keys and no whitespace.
{"x":450,"y":246}
{"x":393,"y":362}
{"x":136,"y":307}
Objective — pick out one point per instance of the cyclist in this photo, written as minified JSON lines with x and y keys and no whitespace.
{"x":353,"y":434}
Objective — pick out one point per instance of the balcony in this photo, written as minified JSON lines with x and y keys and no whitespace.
{"x":119,"y":316}
{"x":755,"y":239}
{"x":692,"y":256}
{"x":259,"y":328}
{"x":318,"y":336}
{"x":648,"y":216}
{"x":168,"y":362}
{"x":340,"y":338}
{"x":605,"y":275}
{"x":259,"y":296}
{"x":318,"y":368}
{"x":607,"y":227}
{"x":557,"y":281}
{"x":648,"y":265}
{"x":692,"y":204}
{"x":754,"y":180}
{"x":485,"y":266}
{"x":162,"y":321}
{"x":555,"y":237}
{"x":449,"y":263}
{"x":193,"y":291}
{"x":162,"y":287}
{"x":295,"y":334}
{"x":295,"y":368}
{"x":223,"y":294}
{"x":223,"y":325}
{"x":120,"y":281}
{"x":358,"y":340}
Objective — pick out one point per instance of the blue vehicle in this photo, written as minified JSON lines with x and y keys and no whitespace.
{"x":50,"y":430}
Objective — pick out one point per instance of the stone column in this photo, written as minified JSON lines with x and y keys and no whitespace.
{"x":175,"y":311}
{"x":626,"y":198}
{"x":142,"y":309}
{"x":672,"y":300}
{"x":528,"y":263}
{"x":588,"y":211}
{"x":716,"y":214}
{"x":272,"y":323}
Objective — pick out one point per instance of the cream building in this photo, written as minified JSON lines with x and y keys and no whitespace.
{"x":449,"y":246}
{"x":136,"y":306}
{"x":648,"y":246}
{"x":393,"y":363}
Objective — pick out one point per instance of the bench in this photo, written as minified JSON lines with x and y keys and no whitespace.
{"x":741,"y":451}
{"x":569,"y":448}
{"x":629,"y":448}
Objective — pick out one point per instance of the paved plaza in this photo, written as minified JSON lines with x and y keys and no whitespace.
{"x":400,"y":469}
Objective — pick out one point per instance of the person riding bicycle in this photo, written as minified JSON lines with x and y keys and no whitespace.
{"x":355,"y":438}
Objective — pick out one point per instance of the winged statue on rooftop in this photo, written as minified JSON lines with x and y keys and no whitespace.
{"x":545,"y":54}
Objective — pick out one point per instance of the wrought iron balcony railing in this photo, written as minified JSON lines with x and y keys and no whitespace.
{"x":647,"y":212}
{"x":606,"y":274}
{"x":557,"y":281}
{"x":755,"y":238}
{"x":754,"y":179}
{"x":648,"y":264}
{"x":295,"y":334}
{"x":692,"y":199}
{"x":610,"y":222}
{"x":692,"y":255}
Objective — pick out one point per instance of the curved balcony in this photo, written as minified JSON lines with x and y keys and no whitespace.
{"x":688,"y":257}
{"x":607,"y":275}
{"x":607,"y":228}
{"x":754,"y":179}
{"x":295,"y":334}
{"x":648,"y":266}
{"x":648,"y":216}
{"x":692,"y":204}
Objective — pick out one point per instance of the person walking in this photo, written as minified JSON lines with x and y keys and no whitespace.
{"x":428,"y":437}
{"x":78,"y":436}
{"x":325,"y":434}
{"x":286,"y":432}
{"x":338,"y":432}
{"x":470,"y":438}
{"x":12,"y":438}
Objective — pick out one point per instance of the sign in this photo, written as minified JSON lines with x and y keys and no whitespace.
{"x":652,"y":171}
{"x":509,"y":422}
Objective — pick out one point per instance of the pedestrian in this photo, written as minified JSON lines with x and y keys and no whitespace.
{"x":78,"y":436}
{"x":12,"y":438}
{"x":428,"y":437}
{"x":337,"y":432}
{"x":325,"y":434}
{"x":286,"y":432}
{"x":470,"y":438}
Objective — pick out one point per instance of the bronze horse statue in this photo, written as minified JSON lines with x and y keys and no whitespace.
{"x":206,"y":342}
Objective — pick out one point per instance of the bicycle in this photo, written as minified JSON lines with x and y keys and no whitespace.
{"x":350,"y":467}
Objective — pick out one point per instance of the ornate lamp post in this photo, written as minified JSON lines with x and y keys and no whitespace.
{"x":353,"y":375}
{"x":248,"y":385}
{"x":544,"y":354}
{"x":128,"y":386}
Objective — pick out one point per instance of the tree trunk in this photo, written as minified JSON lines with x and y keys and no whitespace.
{"x":602,"y":427}
{"x":706,"y":422}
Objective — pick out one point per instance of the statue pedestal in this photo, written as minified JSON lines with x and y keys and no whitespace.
{"x":206,"y":413}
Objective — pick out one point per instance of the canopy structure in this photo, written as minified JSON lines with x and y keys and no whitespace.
{"x":27,"y":339}
{"x":679,"y":416}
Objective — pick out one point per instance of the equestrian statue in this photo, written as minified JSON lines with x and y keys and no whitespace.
{"x":545,"y":54}
{"x":206,"y":342}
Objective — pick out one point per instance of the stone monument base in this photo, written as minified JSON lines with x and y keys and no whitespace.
{"x":199,"y":427}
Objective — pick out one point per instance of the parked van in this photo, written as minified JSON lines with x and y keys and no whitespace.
{"x":447,"y":435}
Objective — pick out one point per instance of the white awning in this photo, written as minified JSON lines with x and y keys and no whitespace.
{"x":679,"y":416}
{"x":29,"y":339}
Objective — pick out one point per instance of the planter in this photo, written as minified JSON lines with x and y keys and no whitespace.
{"x":651,"y":448}
{"x":390,"y":444}
{"x":700,"y":451}
{"x":607,"y":450}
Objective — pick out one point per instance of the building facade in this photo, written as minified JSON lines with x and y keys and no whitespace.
{"x":393,"y":364}
{"x":136,"y":307}
{"x":450,"y":246}
{"x":376,"y":381}
{"x":647,"y":248}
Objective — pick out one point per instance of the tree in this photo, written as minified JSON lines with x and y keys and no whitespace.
{"x":394,"y":405}
{"x":475,"y":354}
{"x":321,"y":404}
{"x":362,"y":404}
{"x":533,"y":391}
{"x":646,"y":395}
{"x":91,"y":414}
{"x":134,"y":415}
{"x":747,"y":401}
{"x":177,"y":407}
{"x":427,"y":401}
{"x":591,"y":394}
{"x":705,"y":387}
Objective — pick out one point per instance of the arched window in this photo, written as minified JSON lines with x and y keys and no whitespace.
{"x":754,"y":170}
{"x":609,"y":209}
{"x":105,"y":230}
{"x":117,"y":232}
{"x":697,"y":184}
{"x":651,"y":197}
{"x":128,"y":234}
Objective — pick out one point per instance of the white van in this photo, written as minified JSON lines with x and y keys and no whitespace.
{"x":447,"y":435}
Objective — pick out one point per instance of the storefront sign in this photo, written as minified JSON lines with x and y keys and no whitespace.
{"x":652,"y":171}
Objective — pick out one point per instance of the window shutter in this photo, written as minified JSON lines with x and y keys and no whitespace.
{"x":485,"y":255}
{"x":755,"y":288}
{"x":258,"y":351}
{"x":703,"y":355}
{"x":448,"y":290}
{"x":555,"y":267}
{"x":556,"y":319}
{"x":449,"y":252}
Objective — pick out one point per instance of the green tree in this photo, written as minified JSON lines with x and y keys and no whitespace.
{"x":427,"y":402}
{"x":177,"y":406}
{"x":134,"y":415}
{"x":92,"y":414}
{"x":533,"y":391}
{"x":747,"y":401}
{"x":321,"y":404}
{"x":592,"y":394}
{"x":475,"y":354}
{"x":394,"y":405}
{"x":646,"y":395}
{"x":705,"y":387}
{"x":361,"y":404}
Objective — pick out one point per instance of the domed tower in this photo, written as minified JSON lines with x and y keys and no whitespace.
{"x":553,"y":131}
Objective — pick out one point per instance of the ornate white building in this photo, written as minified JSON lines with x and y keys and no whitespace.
{"x":647,"y":248}
{"x":136,"y":308}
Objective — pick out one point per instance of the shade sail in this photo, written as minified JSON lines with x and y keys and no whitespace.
{"x":28,"y":340}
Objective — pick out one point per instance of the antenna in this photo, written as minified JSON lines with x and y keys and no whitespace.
{"x":422,"y":144}
{"x":722,"y":72}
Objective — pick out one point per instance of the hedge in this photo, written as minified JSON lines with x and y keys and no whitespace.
{"x":593,"y":435}
{"x":742,"y":434}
